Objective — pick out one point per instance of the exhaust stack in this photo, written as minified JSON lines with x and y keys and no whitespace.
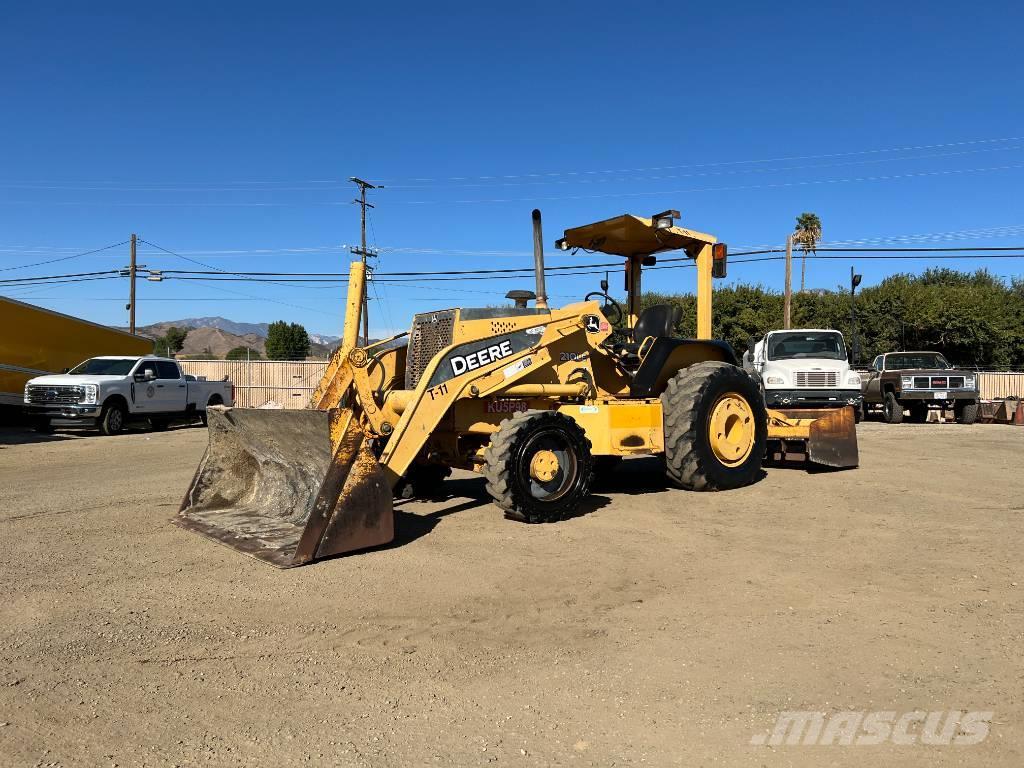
{"x":538,"y":261}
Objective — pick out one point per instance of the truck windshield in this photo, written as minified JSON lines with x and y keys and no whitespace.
{"x":99,"y":366}
{"x":798,"y":345}
{"x":904,"y":361}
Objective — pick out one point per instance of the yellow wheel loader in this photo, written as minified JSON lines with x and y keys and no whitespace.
{"x":531,"y":397}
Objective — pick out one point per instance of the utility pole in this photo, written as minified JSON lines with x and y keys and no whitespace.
{"x":854,"y":282}
{"x":131,"y":290}
{"x":787,"y":301}
{"x":361,"y":251}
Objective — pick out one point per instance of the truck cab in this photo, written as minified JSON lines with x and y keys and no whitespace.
{"x":804,"y":368}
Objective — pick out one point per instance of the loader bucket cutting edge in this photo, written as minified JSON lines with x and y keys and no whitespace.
{"x":270,"y":486}
{"x":833,"y":439}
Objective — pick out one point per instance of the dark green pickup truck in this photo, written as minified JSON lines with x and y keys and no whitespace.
{"x":916,"y":382}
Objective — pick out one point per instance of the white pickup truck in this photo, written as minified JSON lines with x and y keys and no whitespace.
{"x":108,"y":392}
{"x":804,"y":368}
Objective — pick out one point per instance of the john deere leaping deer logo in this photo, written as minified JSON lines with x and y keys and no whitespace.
{"x":592,"y":323}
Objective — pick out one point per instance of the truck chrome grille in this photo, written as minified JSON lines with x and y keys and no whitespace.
{"x":431,"y":332}
{"x":817,"y":379}
{"x":56,"y":394}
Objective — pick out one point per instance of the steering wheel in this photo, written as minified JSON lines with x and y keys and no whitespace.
{"x":609,"y":302}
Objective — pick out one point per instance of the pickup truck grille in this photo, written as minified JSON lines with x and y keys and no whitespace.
{"x":817,"y":379}
{"x":431,"y":332}
{"x":57,"y":394}
{"x":938,"y":382}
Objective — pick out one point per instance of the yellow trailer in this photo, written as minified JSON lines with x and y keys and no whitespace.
{"x":36,"y":341}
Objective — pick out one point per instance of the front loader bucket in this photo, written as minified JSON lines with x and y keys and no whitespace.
{"x":288,"y":487}
{"x":827,"y":437}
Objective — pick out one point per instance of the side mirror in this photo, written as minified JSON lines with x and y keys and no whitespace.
{"x":604,"y":286}
{"x":751,"y":344}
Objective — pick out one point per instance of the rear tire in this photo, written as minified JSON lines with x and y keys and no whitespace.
{"x":892,"y":409}
{"x":215,"y":400}
{"x":517,"y":477}
{"x":966,"y":413}
{"x":700,"y":400}
{"x":112,"y":419}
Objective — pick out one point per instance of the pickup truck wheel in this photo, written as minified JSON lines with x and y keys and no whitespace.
{"x":966,"y":411}
{"x":892,"y":409}
{"x":215,"y":400}
{"x":112,"y":419}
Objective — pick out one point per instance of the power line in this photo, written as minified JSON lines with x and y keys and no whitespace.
{"x":743,"y":187}
{"x":64,"y":258}
{"x":726,"y":162}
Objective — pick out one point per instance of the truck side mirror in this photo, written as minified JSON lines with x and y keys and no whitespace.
{"x":604,"y":286}
{"x":751,"y":344}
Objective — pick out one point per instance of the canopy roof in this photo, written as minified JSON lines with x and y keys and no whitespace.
{"x":630,"y":236}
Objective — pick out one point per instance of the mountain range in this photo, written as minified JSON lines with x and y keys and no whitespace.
{"x":217,"y":336}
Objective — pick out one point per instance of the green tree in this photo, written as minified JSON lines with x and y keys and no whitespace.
{"x":287,"y":341}
{"x":806,"y":235}
{"x":171,"y":342}
{"x":242,"y":353}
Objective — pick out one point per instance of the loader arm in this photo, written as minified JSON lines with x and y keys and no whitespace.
{"x":440,"y":387}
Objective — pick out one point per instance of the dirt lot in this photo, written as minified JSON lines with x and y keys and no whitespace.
{"x":660,"y":628}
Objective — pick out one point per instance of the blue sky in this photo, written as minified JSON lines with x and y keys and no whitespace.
{"x":225,"y":132}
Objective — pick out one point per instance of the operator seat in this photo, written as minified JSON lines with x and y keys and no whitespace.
{"x":657,"y":320}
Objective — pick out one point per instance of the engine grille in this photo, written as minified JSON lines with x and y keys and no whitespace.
{"x":431,"y":332}
{"x":58,"y":394}
{"x":817,"y":379}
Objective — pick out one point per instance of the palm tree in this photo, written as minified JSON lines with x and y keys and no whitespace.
{"x":807,"y":235}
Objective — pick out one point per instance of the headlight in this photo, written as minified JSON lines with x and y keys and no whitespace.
{"x":91,"y":390}
{"x":774,"y":380}
{"x":907,"y":381}
{"x":970,"y":382}
{"x":853,"y":379}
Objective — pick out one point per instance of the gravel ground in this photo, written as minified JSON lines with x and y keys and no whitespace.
{"x":660,"y":628}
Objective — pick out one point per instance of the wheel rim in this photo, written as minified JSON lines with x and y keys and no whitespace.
{"x":115,"y":420}
{"x":548,"y":466}
{"x":731,"y":429}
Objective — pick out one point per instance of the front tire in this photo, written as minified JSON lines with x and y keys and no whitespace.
{"x":715,"y":427}
{"x":892,"y":409}
{"x":538,"y":466}
{"x":112,"y":419}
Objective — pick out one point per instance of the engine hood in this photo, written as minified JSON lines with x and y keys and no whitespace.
{"x":64,"y":380}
